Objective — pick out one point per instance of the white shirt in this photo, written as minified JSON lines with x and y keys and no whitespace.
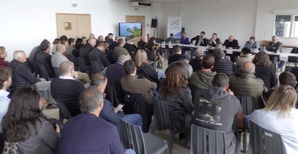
{"x":287,"y":127}
{"x":66,"y":77}
{"x":4,"y":102}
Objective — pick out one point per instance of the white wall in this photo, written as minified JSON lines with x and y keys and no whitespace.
{"x":24,"y":24}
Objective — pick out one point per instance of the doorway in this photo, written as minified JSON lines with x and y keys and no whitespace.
{"x":73,"y":25}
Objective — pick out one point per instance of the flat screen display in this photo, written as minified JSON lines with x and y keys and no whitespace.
{"x":130,"y":29}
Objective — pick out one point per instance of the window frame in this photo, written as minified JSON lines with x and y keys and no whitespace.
{"x":293,"y":15}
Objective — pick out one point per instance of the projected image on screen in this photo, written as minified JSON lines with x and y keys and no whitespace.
{"x":130,"y":29}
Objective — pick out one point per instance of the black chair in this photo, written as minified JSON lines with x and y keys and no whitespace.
{"x":207,"y":141}
{"x":247,"y":108}
{"x":112,"y":95}
{"x":37,"y":72}
{"x":141,"y":143}
{"x":162,"y":120}
{"x":82,"y":64}
{"x":1,"y":142}
{"x":57,"y":72}
{"x":293,"y":59}
{"x":63,"y":111}
{"x":95,"y":67}
{"x":44,"y":72}
{"x":135,"y":103}
{"x":263,"y":141}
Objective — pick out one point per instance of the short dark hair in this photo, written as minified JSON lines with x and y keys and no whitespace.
{"x":218,"y":53}
{"x":171,"y":34}
{"x":208,"y":61}
{"x":287,"y":78}
{"x":129,"y":66}
{"x":56,"y":41}
{"x":120,"y":41}
{"x":246,"y":50}
{"x":176,"y":49}
{"x":220,"y":80}
{"x":97,"y":79}
{"x":63,"y":39}
{"x":90,"y":99}
{"x":100,"y":44}
{"x":5,"y":74}
{"x":253,"y":38}
{"x":127,"y":39}
{"x":203,"y":32}
{"x":70,"y":40}
{"x":215,"y":34}
{"x":44,"y":45}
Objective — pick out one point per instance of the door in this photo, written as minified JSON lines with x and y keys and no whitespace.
{"x":73,"y":25}
{"x":140,"y":19}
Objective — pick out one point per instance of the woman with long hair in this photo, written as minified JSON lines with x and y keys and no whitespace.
{"x":145,"y":70}
{"x":280,"y":116}
{"x":175,"y":91}
{"x":25,"y":128}
{"x":264,"y":69}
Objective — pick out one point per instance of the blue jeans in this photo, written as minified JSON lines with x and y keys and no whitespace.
{"x":134,"y":119}
{"x":281,"y":64}
{"x":129,"y":151}
{"x":161,"y":74}
{"x":246,"y":122}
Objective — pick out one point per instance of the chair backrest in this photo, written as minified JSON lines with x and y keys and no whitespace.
{"x":132,"y":137}
{"x":63,"y":111}
{"x":95,"y":67}
{"x":247,"y":104}
{"x":56,"y":71}
{"x":36,"y":68}
{"x":81,"y":64}
{"x":43,"y":71}
{"x":263,"y":141}
{"x":206,"y":141}
{"x":161,"y":113}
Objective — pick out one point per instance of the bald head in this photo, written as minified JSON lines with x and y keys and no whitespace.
{"x":66,"y":68}
{"x":123,"y":58}
{"x":231,"y":38}
{"x":248,"y":67}
{"x":92,"y":41}
{"x":199,"y":53}
{"x":61,"y":48}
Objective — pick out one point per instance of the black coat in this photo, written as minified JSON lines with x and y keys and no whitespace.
{"x":84,"y":53}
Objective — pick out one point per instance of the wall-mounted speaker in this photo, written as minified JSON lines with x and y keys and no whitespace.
{"x":154,"y":23}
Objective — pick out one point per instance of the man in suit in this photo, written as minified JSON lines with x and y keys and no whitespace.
{"x":201,"y":40}
{"x":67,"y":89}
{"x":214,"y":40}
{"x":84,"y":51}
{"x":130,"y":47}
{"x":230,"y":44}
{"x":87,"y":132}
{"x":275,"y":46}
{"x":97,"y":54}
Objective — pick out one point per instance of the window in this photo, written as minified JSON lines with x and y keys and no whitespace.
{"x":286,"y":26}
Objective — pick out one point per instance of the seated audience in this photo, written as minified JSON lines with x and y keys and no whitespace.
{"x":63,"y":39}
{"x":201,"y":40}
{"x":142,"y":43}
{"x":55,"y":43}
{"x":176,"y":56}
{"x":275,"y":46}
{"x":174,"y":91}
{"x":109,"y":53}
{"x":22,"y":76}
{"x":252,"y":44}
{"x":98,"y":135}
{"x":114,"y":74}
{"x":231,"y":43}
{"x":98,"y":54}
{"x":131,"y":83}
{"x":114,"y":44}
{"x":245,"y":83}
{"x":214,"y":40}
{"x":5,"y":83}
{"x":245,"y":56}
{"x":86,"y":49}
{"x":71,"y":46}
{"x":184,"y":60}
{"x":264,"y":69}
{"x":280,"y":116}
{"x":25,"y":127}
{"x":44,"y":58}
{"x":196,"y":62}
{"x":78,"y":44}
{"x":144,"y":69}
{"x":92,"y":36}
{"x":130,"y":47}
{"x":203,"y":78}
{"x":36,"y":50}
{"x":227,"y":106}
{"x":67,"y":89}
{"x":223,"y":65}
{"x":84,"y":40}
{"x":171,"y":39}
{"x":109,"y":38}
{"x":59,"y":57}
{"x":184,"y":40}
{"x":119,"y":50}
{"x":3,"y":55}
{"x":108,"y":112}
{"x":151,"y":43}
{"x":99,"y":38}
